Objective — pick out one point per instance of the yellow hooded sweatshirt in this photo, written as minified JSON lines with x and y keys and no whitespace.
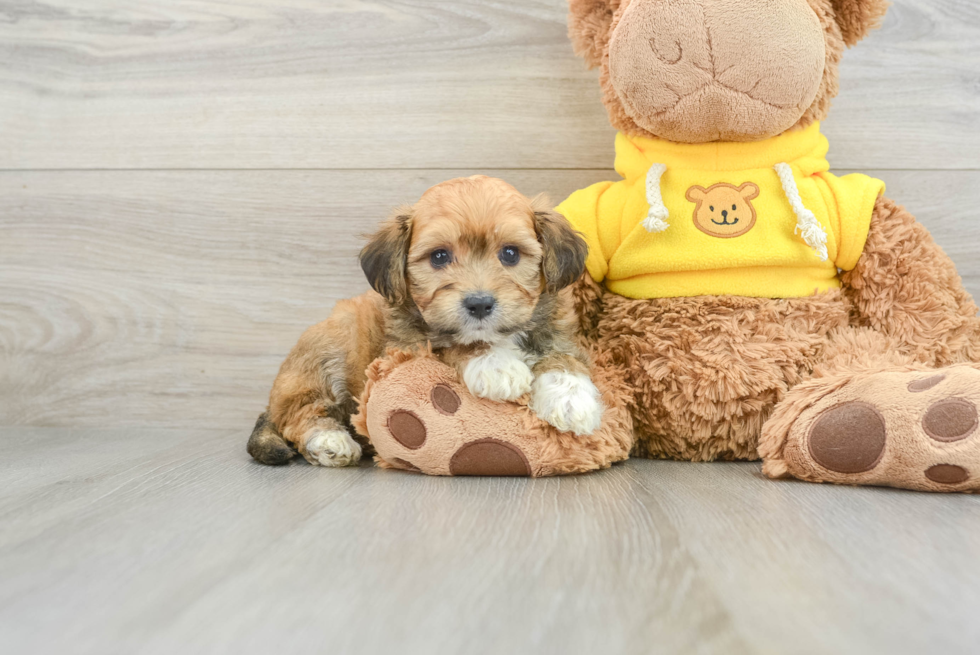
{"x":762,"y":219}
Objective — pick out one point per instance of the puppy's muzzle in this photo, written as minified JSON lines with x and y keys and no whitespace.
{"x":479,"y":306}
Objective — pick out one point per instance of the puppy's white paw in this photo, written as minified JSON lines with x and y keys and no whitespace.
{"x":497,"y":374}
{"x":332,"y":448}
{"x":568,"y":401}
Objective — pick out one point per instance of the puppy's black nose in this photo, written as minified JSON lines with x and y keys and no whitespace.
{"x":479,"y":306}
{"x":724,"y":213}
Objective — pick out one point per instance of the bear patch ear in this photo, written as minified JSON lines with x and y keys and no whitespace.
{"x":384,"y":258}
{"x":858,"y":17}
{"x":749,"y":191}
{"x":696,"y":193}
{"x":589,"y":24}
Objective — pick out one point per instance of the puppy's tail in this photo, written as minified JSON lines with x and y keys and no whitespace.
{"x":266,"y":445}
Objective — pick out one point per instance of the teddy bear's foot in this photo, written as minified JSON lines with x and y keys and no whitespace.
{"x":908,"y":429}
{"x":420,"y":417}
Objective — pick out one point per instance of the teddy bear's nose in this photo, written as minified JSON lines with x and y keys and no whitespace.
{"x":724,"y":213}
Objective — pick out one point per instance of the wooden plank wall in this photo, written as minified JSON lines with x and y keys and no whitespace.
{"x":183,"y":185}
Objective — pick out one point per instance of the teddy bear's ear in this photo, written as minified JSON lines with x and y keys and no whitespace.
{"x":749,"y":191}
{"x":858,"y":17}
{"x":696,"y":193}
{"x":589,"y":23}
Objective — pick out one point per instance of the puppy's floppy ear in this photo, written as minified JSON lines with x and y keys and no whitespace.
{"x":858,"y":17}
{"x":563,"y":259}
{"x":384,"y":258}
{"x":589,"y":27}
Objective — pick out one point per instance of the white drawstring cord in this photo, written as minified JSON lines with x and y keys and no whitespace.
{"x":656,"y":220}
{"x":807,"y":224}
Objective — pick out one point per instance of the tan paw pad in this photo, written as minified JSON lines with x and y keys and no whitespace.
{"x":951,"y":419}
{"x":848,"y":438}
{"x":445,"y":400}
{"x":924,"y":384}
{"x":907,"y":429}
{"x":407,"y":429}
{"x":947,"y":474}
{"x":490,"y":457}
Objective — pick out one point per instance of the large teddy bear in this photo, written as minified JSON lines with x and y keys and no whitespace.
{"x":741,"y":301}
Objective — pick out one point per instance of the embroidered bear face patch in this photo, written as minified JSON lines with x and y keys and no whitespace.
{"x":723,"y":210}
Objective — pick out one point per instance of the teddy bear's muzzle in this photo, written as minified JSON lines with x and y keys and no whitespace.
{"x":707,"y":70}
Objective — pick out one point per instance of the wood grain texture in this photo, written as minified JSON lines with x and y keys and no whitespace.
{"x":149,"y":541}
{"x":418,"y":84}
{"x":171,"y":298}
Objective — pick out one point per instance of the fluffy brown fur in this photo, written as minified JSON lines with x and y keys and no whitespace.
{"x":906,"y":287}
{"x":858,"y":17}
{"x":707,"y":377}
{"x":417,"y":302}
{"x":589,"y":23}
{"x":705,"y":374}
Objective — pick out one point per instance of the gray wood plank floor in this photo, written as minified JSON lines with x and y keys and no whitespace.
{"x":183,"y":186}
{"x":154,"y":541}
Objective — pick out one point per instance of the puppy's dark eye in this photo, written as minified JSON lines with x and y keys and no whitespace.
{"x":509,"y":255}
{"x":440,"y":258}
{"x":733,"y":207}
{"x":712,"y":207}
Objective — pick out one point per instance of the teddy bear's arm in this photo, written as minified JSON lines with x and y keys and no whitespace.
{"x":905,"y":286}
{"x":587,"y":295}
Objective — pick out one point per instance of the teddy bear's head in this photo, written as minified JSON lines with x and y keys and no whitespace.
{"x":695,"y":71}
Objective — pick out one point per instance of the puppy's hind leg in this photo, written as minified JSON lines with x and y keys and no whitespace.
{"x":266,"y":445}
{"x":313,"y":416}
{"x":322,"y":440}
{"x":326,"y":440}
{"x":314,"y":394}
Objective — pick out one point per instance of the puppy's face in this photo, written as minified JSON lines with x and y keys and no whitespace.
{"x":474,"y":256}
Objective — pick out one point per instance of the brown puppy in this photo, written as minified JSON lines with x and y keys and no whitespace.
{"x":478,"y":271}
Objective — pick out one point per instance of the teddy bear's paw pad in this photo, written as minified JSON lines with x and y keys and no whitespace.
{"x":490,"y":457}
{"x":947,"y":474}
{"x":445,"y":400}
{"x":915,"y":430}
{"x":848,"y":438}
{"x":407,"y":429}
{"x":924,"y":384}
{"x":950,"y":420}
